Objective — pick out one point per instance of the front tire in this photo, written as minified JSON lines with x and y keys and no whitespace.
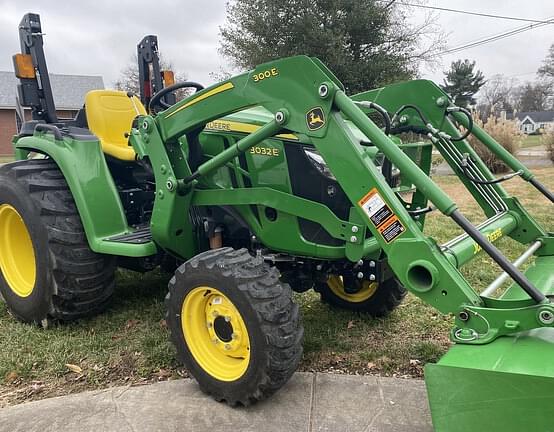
{"x":234,"y":325}
{"x":375,"y":299}
{"x":47,"y":269}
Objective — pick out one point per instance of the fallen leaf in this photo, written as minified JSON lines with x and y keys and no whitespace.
{"x":414,"y":362}
{"x":11,"y":376}
{"x":163,"y":324}
{"x":132,"y":323}
{"x":350,"y":324}
{"x":370,"y":365}
{"x":74,"y":368}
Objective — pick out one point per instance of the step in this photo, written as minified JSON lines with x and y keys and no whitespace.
{"x":140,"y":236}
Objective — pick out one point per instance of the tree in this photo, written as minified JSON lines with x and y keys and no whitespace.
{"x":496,"y":95}
{"x":534,"y":96}
{"x":463,"y":82}
{"x":547,"y":68}
{"x":129,"y":77}
{"x":366,"y":43}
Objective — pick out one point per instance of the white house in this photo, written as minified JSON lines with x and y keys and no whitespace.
{"x":534,"y":121}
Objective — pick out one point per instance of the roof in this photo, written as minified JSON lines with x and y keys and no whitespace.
{"x":69,"y":90}
{"x":536,"y":116}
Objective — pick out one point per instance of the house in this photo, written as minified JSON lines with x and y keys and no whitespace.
{"x":534,"y":121}
{"x":69,"y":95}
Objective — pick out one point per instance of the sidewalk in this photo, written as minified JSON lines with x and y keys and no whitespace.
{"x":309,"y":402}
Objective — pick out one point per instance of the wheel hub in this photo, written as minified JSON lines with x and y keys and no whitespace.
{"x":17,"y":254}
{"x":363,"y":291}
{"x":215,"y":333}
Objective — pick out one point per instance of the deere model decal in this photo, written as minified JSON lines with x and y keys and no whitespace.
{"x":315,"y":118}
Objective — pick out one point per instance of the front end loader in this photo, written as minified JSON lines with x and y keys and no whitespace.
{"x":272,"y":181}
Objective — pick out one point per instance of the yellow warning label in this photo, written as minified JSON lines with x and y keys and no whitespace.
{"x":381,"y":215}
{"x":391,"y":229}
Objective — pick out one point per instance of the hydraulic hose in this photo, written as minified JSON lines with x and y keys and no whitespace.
{"x":380,"y":110}
{"x":469,"y":122}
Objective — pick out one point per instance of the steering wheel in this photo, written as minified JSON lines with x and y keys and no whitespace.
{"x":157,"y":99}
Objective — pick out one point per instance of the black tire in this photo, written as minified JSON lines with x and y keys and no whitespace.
{"x":71,"y":280}
{"x":386,"y":297}
{"x":265,"y":304}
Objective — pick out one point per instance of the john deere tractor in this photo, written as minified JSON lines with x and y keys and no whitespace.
{"x":270,"y":182}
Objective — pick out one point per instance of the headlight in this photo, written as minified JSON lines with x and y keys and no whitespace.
{"x":318,"y":162}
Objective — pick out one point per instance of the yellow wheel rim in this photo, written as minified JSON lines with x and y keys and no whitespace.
{"x":215,"y":333}
{"x":17,"y":255}
{"x":336,"y":285}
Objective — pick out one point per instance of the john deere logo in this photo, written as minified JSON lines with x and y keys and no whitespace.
{"x":315,"y":118}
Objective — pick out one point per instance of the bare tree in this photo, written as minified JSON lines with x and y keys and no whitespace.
{"x":129,"y":77}
{"x":497,"y":95}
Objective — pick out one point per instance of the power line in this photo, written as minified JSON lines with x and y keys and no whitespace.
{"x":476,"y":13}
{"x":493,"y":38}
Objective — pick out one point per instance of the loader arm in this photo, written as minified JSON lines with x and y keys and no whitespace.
{"x":312,"y":105}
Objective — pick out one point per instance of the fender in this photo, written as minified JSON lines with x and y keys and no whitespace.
{"x":84,"y":167}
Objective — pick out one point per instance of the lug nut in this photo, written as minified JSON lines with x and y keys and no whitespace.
{"x":360,"y":275}
{"x":371,"y":277}
{"x":353,"y":239}
{"x":227,"y":318}
{"x":227,"y":347}
{"x":355,"y":229}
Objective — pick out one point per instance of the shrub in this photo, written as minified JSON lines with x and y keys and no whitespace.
{"x":505,"y":132}
{"x":547,"y":139}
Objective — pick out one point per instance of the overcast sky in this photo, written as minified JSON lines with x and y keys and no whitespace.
{"x":99,"y":37}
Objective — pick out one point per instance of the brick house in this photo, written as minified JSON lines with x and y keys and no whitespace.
{"x":69,"y":95}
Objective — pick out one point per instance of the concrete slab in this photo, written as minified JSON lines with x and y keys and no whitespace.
{"x":309,"y":402}
{"x":370,"y":404}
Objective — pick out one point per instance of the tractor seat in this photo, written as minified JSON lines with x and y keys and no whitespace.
{"x":110,"y":114}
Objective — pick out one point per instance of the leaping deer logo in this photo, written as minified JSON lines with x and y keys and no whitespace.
{"x":315,"y":118}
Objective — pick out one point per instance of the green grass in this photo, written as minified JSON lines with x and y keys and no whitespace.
{"x":531,"y":141}
{"x":129,"y":343}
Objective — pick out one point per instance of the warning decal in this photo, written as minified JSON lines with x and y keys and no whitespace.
{"x":392,"y":229}
{"x":377,"y":210}
{"x":381,"y":215}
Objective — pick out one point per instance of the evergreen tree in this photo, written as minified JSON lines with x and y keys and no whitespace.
{"x":366,"y":43}
{"x":463,"y":82}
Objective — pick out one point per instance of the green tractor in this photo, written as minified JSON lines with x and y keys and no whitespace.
{"x":270,"y":182}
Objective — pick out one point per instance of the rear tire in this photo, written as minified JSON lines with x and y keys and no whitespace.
{"x":66,"y":279}
{"x":234,"y":325}
{"x":375,"y":299}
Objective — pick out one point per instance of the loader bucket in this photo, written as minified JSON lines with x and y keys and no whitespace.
{"x":506,"y":385}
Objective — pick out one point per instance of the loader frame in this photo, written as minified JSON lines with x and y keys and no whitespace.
{"x":292,"y":97}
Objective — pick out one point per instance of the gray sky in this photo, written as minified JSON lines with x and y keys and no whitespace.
{"x":99,"y":37}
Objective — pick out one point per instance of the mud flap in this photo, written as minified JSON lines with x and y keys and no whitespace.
{"x":507,"y":385}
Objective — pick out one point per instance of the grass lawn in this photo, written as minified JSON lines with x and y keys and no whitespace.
{"x":531,"y":141}
{"x":129,"y":343}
